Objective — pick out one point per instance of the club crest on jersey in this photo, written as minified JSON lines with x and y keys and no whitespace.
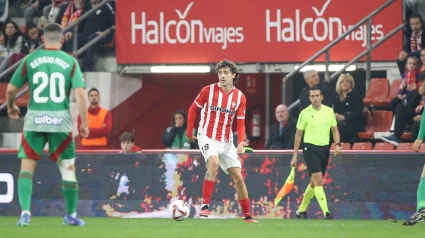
{"x":233,"y":104}
{"x":220,"y":109}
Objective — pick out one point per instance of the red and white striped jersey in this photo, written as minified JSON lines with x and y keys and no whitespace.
{"x":218,"y":111}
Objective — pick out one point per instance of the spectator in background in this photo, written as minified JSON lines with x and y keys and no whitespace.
{"x":409,"y":83}
{"x":348,"y":108}
{"x":38,"y":8}
{"x":128,"y":143}
{"x":414,"y":43}
{"x":100,"y":124}
{"x":95,"y":25}
{"x":33,"y":40}
{"x":12,"y":42}
{"x":174,"y":136}
{"x":408,"y":113}
{"x":67,"y":15}
{"x":422,"y":61}
{"x":312,"y":79}
{"x":282,"y":133}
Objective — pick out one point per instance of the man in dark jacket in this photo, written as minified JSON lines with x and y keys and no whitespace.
{"x":95,"y":25}
{"x":282,"y":133}
{"x":414,"y":43}
{"x":312,"y":79}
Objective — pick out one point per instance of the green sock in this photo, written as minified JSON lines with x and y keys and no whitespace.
{"x":308,"y":195}
{"x":25,"y":190}
{"x":421,"y":194}
{"x":321,"y":198}
{"x":70,"y":192}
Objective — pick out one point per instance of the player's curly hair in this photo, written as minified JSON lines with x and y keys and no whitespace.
{"x":228,"y":64}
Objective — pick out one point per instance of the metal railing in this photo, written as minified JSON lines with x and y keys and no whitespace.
{"x":80,"y":51}
{"x":326,"y":50}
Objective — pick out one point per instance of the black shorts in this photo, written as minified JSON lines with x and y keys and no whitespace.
{"x":316,"y":158}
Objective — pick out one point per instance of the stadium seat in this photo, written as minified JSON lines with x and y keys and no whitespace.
{"x":377,"y":92}
{"x":362,"y":146}
{"x":383,"y":146}
{"x":344,"y":146}
{"x":406,"y":136}
{"x":393,"y":91}
{"x":110,"y":44}
{"x":405,"y":146}
{"x":381,"y":122}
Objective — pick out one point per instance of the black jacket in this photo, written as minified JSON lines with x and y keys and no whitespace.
{"x":284,"y":142}
{"x":305,"y":94}
{"x":101,"y":20}
{"x":406,"y":46}
{"x":352,"y":109}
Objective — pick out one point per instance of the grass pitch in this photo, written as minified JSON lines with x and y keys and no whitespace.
{"x":45,"y":227}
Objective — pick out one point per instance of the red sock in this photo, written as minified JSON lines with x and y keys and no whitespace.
{"x":246,"y":207}
{"x":207,"y":191}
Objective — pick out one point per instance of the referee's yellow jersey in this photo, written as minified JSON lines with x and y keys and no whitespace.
{"x":316,"y":124}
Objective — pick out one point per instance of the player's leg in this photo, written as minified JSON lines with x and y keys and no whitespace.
{"x":30,"y":151}
{"x":313,"y":164}
{"x":230,"y":164}
{"x":62,"y":151}
{"x":319,"y":192}
{"x":208,"y":149}
{"x":420,"y":210}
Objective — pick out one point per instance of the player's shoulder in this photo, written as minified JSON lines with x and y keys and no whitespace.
{"x":208,"y":87}
{"x":306,"y":110}
{"x":327,"y":108}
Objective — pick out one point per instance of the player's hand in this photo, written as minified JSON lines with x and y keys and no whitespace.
{"x":241,"y":146}
{"x":337,"y":150}
{"x":191,"y":139}
{"x":416,"y":145}
{"x":84,"y":131}
{"x":14,"y":112}
{"x":294,"y":161}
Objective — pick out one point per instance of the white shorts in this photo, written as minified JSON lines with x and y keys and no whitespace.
{"x":226,"y":152}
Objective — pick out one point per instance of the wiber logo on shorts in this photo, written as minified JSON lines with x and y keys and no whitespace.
{"x":47,"y":120}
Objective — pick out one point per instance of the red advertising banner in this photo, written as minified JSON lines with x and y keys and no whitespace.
{"x":199,"y":31}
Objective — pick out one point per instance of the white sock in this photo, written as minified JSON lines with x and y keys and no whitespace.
{"x":73,"y":215}
{"x":25,"y":212}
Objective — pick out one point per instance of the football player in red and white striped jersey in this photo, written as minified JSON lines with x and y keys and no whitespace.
{"x":221,"y":103}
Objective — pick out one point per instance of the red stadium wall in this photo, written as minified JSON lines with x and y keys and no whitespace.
{"x":147,"y":113}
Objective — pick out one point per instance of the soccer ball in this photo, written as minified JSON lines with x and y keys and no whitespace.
{"x":179,"y":210}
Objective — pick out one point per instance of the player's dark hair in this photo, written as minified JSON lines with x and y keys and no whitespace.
{"x":91,"y":90}
{"x":53,"y":28}
{"x":315,"y":88}
{"x":127,"y":136}
{"x":180,"y":112}
{"x":231,"y":66}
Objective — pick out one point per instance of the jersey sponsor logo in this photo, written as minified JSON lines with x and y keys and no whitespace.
{"x":220,"y":109}
{"x":8,"y":179}
{"x":47,"y":120}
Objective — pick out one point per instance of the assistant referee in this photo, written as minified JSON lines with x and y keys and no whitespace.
{"x":315,"y":122}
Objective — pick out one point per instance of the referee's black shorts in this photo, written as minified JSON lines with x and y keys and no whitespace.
{"x":316,"y":158}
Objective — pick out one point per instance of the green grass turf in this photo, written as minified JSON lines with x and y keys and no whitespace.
{"x":45,"y":227}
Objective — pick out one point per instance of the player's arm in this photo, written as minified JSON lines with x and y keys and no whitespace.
{"x":335,"y":133}
{"x":240,"y":116}
{"x":78,"y":84}
{"x":19,"y":78}
{"x":301,"y":124}
{"x":421,"y":134}
{"x":199,"y":102}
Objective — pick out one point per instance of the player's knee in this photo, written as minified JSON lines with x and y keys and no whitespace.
{"x":317,"y":179}
{"x":67,"y":169}
{"x":238,"y":179}
{"x":213,"y":163}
